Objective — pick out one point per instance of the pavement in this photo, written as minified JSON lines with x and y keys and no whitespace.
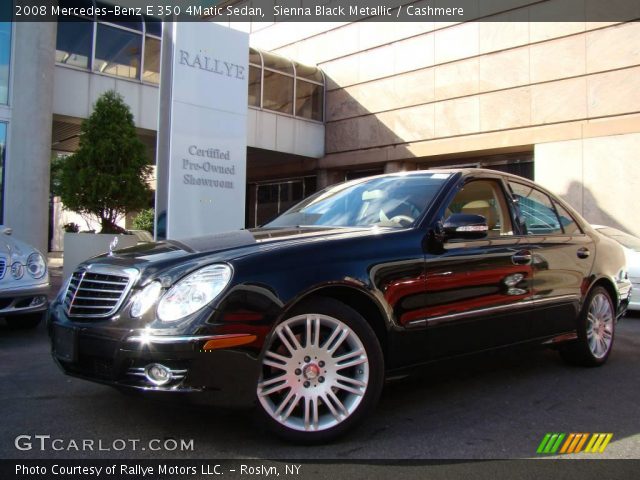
{"x":493,"y":406}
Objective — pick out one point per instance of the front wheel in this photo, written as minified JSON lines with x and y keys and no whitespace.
{"x":322,"y":372}
{"x":596,"y":328}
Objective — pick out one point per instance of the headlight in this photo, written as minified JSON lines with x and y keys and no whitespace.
{"x":145,"y":298}
{"x":36,"y":266}
{"x":193,"y":292}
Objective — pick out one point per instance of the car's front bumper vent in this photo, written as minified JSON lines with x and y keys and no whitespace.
{"x":3,"y":266}
{"x":97,"y":292}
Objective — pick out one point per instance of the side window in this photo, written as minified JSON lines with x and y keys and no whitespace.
{"x":539,"y":214}
{"x":486,"y":198}
{"x":567,"y":221}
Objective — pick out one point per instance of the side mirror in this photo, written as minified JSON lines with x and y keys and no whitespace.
{"x":465,"y":226}
{"x":6,"y":230}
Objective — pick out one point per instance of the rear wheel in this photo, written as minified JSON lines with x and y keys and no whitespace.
{"x":25,"y":321}
{"x":322,"y":372}
{"x":596,"y":328}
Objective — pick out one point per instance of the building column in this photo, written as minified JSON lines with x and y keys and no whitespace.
{"x":328,"y":177}
{"x":26,"y":181}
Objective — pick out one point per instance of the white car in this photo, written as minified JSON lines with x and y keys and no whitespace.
{"x":631,"y":246}
{"x":24,"y":282}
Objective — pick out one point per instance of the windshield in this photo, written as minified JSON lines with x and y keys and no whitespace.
{"x":395,"y":201}
{"x":622,"y":238}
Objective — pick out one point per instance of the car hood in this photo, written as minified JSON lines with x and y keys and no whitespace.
{"x":191,"y":252}
{"x":14,"y":249}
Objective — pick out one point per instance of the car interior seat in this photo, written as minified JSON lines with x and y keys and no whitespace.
{"x":484,"y":208}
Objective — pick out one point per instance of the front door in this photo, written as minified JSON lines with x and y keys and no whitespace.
{"x":478,"y":291}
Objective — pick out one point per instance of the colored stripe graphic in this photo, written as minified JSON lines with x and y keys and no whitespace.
{"x":598,"y":442}
{"x":550,"y":443}
{"x":574,"y":442}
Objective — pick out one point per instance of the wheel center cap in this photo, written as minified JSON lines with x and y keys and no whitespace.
{"x":311,"y":371}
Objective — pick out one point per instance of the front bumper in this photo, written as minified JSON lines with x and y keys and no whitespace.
{"x":97,"y":352}
{"x":23,"y":300}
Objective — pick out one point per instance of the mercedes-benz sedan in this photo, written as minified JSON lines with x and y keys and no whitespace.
{"x":307,"y":315}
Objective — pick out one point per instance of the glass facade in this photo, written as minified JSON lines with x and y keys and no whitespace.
{"x":5,"y":58}
{"x":73,"y":43}
{"x":283,"y":86}
{"x":122,"y":49}
{"x":118,"y":52}
{"x":3,"y":144}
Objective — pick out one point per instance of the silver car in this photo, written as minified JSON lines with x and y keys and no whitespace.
{"x":24,"y":282}
{"x":631,"y":247}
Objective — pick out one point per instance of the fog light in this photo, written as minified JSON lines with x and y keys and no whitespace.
{"x":158,"y":374}
{"x":39,"y":300}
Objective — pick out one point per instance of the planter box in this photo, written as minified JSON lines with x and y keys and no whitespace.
{"x":79,"y":247}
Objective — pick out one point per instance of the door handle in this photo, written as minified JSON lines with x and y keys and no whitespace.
{"x":523,"y":257}
{"x":583,"y":252}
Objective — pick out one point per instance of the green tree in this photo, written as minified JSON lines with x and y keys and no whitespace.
{"x":106,"y":176}
{"x":144,"y":220}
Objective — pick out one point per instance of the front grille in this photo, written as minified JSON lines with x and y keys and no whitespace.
{"x":3,"y":266}
{"x":97,"y":292}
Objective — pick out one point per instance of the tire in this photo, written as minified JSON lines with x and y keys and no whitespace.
{"x":596,"y":331}
{"x":322,"y":372}
{"x":26,"y":321}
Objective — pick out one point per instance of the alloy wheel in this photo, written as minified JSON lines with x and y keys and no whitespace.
{"x":600,"y":325}
{"x":315,"y":373}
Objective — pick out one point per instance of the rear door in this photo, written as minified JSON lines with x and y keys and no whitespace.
{"x":562,"y":258}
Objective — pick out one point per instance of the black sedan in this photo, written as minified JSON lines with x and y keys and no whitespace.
{"x":307,"y":315}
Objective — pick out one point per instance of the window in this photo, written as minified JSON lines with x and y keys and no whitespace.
{"x":5,"y":57}
{"x":568,"y":223}
{"x":278,"y":92}
{"x":255,"y":81}
{"x":151,"y":60}
{"x":273,"y":81}
{"x":117,"y":52}
{"x":385,"y":202}
{"x":483,"y":197}
{"x":119,"y":45}
{"x":3,"y":144}
{"x":309,"y":100}
{"x":73,"y":43}
{"x":538,"y":212}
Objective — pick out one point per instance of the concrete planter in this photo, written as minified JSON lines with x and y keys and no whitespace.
{"x":79,"y":247}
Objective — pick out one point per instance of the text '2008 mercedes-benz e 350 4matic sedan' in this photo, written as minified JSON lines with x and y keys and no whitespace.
{"x":307,"y":315}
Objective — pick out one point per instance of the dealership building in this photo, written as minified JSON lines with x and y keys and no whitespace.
{"x":558,"y":102}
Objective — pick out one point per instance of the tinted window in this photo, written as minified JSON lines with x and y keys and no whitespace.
{"x":3,"y":142}
{"x":393,"y":201}
{"x":254,"y":86}
{"x":278,"y":92}
{"x":539,"y":215}
{"x":151,"y":60}
{"x":483,"y":197}
{"x":568,"y":223}
{"x":73,"y":42}
{"x":5,"y":57}
{"x":117,"y":52}
{"x":309,"y":100}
